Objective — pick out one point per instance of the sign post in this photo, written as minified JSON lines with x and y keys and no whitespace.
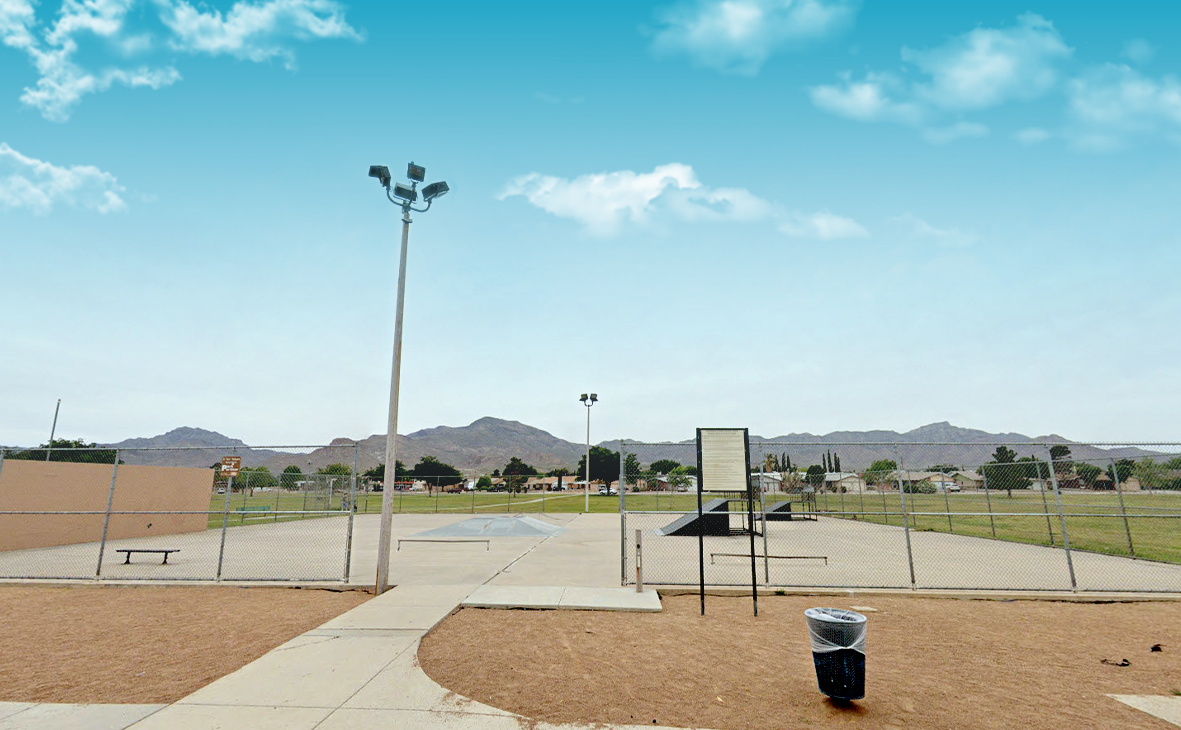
{"x":723,"y":465}
{"x":230,"y":466}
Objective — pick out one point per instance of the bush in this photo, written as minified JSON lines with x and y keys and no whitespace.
{"x":923,"y":487}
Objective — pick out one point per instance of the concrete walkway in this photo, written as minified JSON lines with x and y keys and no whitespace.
{"x":360,"y":670}
{"x":1159,"y":706}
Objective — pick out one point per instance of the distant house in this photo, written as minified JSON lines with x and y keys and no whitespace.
{"x":844,"y":481}
{"x":968,"y":480}
{"x":937,"y":479}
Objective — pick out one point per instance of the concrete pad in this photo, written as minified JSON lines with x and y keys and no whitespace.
{"x":221,"y":717}
{"x":423,"y":595}
{"x":321,"y":673}
{"x":353,"y":719}
{"x":364,"y":633}
{"x":1159,"y":706}
{"x":367,"y":616}
{"x":610,"y":599}
{"x":11,"y":708}
{"x":73,"y":717}
{"x":490,"y":596}
{"x":586,"y":554}
{"x":404,"y":686}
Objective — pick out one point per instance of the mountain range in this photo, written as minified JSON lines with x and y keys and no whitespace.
{"x":488,"y":443}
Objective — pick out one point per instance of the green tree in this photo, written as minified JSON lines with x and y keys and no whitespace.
{"x":1003,"y":473}
{"x":881,"y":473}
{"x":338,"y":469}
{"x":561,"y":471}
{"x":1152,"y":474}
{"x":435,"y":473}
{"x":664,"y":466}
{"x":1060,"y":455}
{"x":377,"y":473}
{"x":1123,"y":468}
{"x":815,"y":476}
{"x":81,"y":453}
{"x":1087,"y":473}
{"x":688,"y":469}
{"x":484,"y":483}
{"x":1174,"y":463}
{"x":944,"y":468}
{"x":604,"y":465}
{"x":290,"y":477}
{"x":631,"y":469}
{"x":252,"y":478}
{"x":516,"y":473}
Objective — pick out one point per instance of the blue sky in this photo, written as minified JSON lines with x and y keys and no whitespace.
{"x":791,"y":215}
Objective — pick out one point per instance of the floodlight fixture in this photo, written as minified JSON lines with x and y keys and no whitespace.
{"x":382,"y":173}
{"x":594,"y":397}
{"x":405,"y":192}
{"x":582,"y":397}
{"x":435,"y":190}
{"x":414,"y":172}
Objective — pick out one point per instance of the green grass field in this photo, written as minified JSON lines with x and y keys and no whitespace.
{"x":1093,"y":519}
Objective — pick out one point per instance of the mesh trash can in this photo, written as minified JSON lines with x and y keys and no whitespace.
{"x":838,"y":651}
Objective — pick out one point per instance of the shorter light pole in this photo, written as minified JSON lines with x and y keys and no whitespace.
{"x":52,"y":431}
{"x":588,"y":402}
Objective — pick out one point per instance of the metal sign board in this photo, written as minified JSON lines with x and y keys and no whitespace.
{"x":724,"y":459}
{"x":230,"y":465}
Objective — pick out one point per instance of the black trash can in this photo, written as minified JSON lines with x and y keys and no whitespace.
{"x":838,"y":651}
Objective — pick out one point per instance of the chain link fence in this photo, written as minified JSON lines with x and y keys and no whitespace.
{"x":989,"y":516}
{"x":171,"y":514}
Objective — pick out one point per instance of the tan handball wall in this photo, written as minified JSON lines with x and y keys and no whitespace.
{"x":37,"y":486}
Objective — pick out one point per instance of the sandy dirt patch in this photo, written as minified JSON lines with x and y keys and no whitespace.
{"x":145,"y":645}
{"x":931,"y":663}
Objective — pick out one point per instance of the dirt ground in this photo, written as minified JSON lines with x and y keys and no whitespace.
{"x":145,"y":645}
{"x":931,"y":663}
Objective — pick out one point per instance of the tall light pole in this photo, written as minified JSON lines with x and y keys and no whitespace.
{"x":403,"y":196}
{"x":588,"y":402}
{"x":52,"y":431}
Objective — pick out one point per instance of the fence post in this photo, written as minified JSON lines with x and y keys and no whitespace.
{"x":885,"y":507}
{"x":225,"y":519}
{"x":905,"y":520}
{"x":947,"y":504}
{"x":639,"y":562}
{"x":763,"y":512}
{"x":988,"y":499}
{"x":1046,"y":511}
{"x":1061,"y":519}
{"x":102,"y":545}
{"x":348,"y":540}
{"x":1119,"y":492}
{"x":622,"y":514}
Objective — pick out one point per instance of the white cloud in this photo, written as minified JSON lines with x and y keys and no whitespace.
{"x":989,"y":66}
{"x":253,"y":31}
{"x":823,"y":225}
{"x":1114,"y":102}
{"x":916,"y":227}
{"x":1139,"y":51}
{"x":959,"y":130}
{"x":867,"y":101}
{"x":979,"y":69}
{"x":250,"y":30}
{"x":1031,"y":136}
{"x":29,"y":183}
{"x":738,"y":36}
{"x":604,"y":202}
